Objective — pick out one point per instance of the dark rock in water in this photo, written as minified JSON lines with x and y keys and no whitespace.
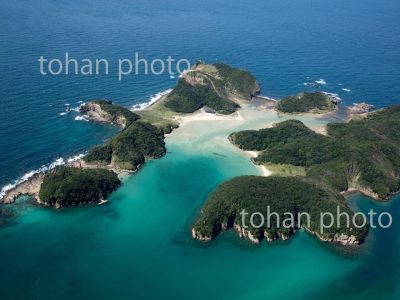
{"x":219,"y":154}
{"x":5,"y":216}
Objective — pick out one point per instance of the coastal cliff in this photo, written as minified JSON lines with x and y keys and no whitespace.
{"x":342,"y":239}
{"x":106,"y":112}
{"x":30,"y":187}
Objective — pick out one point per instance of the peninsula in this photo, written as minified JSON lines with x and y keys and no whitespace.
{"x":218,"y":87}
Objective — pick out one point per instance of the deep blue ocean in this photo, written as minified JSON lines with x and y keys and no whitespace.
{"x":351,"y":45}
{"x":284,"y":43}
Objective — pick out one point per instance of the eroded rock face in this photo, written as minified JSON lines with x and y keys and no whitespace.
{"x":343,"y":239}
{"x":359,"y":110}
{"x":346,"y":239}
{"x":197,"y":236}
{"x":30,"y":187}
{"x":95,"y":113}
{"x":243,"y":233}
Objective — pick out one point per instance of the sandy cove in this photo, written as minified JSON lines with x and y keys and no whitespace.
{"x":208,"y":133}
{"x":264,"y":171}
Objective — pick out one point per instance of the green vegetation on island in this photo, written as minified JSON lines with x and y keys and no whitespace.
{"x":312,"y":170}
{"x":315,"y":102}
{"x":129,"y":149}
{"x":187,"y":98}
{"x":142,"y":136}
{"x":281,"y":195}
{"x":361,"y":154}
{"x":111,"y":113}
{"x":217,"y":86}
{"x":66,"y":186}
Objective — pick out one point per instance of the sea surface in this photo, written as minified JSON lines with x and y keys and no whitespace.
{"x":139,"y":246}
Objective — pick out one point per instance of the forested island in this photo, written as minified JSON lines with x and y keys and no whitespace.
{"x":361,"y":155}
{"x":307,"y":102}
{"x":281,"y":195}
{"x":65,"y":186}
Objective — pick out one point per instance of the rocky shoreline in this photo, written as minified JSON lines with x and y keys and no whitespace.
{"x":342,"y":239}
{"x":30,"y":187}
{"x":95,"y":113}
{"x":358,"y":111}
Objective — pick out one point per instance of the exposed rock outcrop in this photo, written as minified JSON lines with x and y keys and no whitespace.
{"x":359,"y":110}
{"x":197,"y":236}
{"x":343,"y":239}
{"x":81,"y":164}
{"x":30,"y":187}
{"x":95,"y":113}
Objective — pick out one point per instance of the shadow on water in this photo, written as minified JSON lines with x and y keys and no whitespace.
{"x":10,"y":214}
{"x":379,"y":274}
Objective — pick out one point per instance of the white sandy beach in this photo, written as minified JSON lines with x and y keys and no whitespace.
{"x":204,"y":133}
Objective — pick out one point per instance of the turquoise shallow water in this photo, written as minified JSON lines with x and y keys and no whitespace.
{"x":139,"y":245}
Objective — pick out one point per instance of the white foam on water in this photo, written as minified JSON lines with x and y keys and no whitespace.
{"x":333,"y":96}
{"x":346,"y":90}
{"x":321,"y":81}
{"x":184,"y":72}
{"x":153,"y":99}
{"x":58,"y":162}
{"x":75,"y":158}
{"x":266,"y":98}
{"x":81,"y":118}
{"x":43,"y":169}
